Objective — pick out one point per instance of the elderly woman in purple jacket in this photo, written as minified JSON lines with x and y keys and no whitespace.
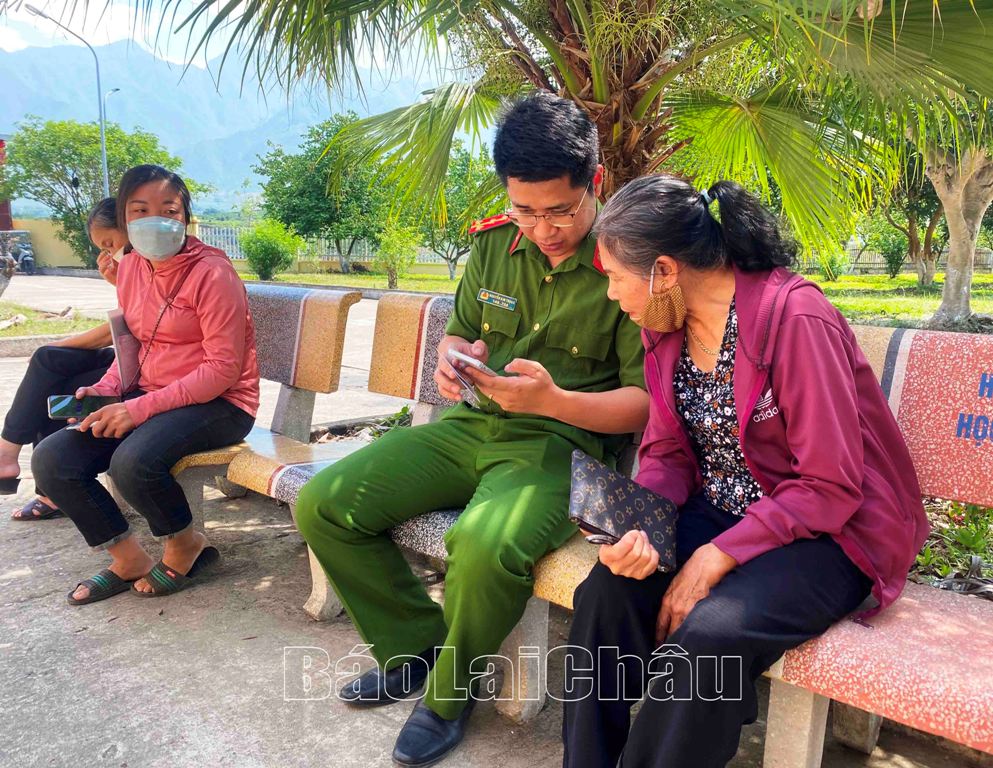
{"x":798,"y":500}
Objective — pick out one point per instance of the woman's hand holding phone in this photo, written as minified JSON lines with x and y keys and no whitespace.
{"x":110,"y":421}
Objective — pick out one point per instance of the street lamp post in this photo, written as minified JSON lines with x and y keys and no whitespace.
{"x":100,"y":99}
{"x":106,"y":96}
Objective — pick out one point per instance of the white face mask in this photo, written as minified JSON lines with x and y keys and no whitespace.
{"x":156,"y":237}
{"x":118,"y":255}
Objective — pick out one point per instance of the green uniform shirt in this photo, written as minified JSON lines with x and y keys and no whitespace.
{"x":511,"y":298}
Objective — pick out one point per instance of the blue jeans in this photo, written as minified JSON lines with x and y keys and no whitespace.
{"x":67,"y":463}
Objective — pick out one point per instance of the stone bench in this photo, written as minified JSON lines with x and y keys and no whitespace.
{"x":300,"y":336}
{"x":924,"y":662}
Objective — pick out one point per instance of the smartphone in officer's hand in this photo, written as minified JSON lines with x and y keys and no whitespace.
{"x":71,"y":407}
{"x":455,"y":356}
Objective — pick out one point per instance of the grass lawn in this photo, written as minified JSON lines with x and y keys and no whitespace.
{"x":39,"y":324}
{"x":872,"y":299}
{"x":878,"y":300}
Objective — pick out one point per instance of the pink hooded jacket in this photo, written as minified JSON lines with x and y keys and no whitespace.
{"x":815,"y":429}
{"x":205,"y":345}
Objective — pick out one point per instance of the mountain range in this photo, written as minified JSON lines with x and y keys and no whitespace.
{"x":208,"y":120}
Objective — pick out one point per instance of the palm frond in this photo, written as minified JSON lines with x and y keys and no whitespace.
{"x":412,"y":145}
{"x":912,"y":51}
{"x":823,"y":170}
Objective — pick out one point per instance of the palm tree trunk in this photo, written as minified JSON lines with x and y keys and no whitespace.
{"x":965,"y":188}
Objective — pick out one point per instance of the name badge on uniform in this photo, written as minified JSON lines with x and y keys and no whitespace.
{"x":497,"y":299}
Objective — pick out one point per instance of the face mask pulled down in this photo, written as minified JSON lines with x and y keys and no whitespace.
{"x":665,"y":311}
{"x":156,"y":237}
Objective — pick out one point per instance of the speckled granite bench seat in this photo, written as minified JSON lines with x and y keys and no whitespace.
{"x":299,"y":338}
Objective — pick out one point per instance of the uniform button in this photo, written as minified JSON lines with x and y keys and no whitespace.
{"x":486,"y":326}
{"x":575,"y":350}
{"x":548,"y":278}
{"x":536,"y":326}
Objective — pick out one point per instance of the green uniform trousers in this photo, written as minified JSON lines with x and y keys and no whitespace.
{"x":512,"y":475}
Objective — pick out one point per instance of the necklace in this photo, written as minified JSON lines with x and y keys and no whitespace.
{"x":704,"y":347}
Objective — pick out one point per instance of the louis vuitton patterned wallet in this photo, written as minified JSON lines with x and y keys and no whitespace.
{"x":608,"y":505}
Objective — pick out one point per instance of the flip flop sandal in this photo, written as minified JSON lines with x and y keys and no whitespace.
{"x":8,"y":485}
{"x":971,"y":582}
{"x":103,"y":585}
{"x":27,"y":512}
{"x":167,"y":581}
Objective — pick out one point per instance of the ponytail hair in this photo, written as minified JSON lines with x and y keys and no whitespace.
{"x":103,"y":215}
{"x":661,"y":215}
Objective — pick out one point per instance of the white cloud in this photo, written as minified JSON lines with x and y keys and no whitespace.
{"x":10,"y":40}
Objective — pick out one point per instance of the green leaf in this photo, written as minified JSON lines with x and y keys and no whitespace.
{"x":413,"y":145}
{"x":820,"y":166}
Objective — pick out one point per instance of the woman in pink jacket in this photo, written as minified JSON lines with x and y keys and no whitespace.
{"x":196,"y":388}
{"x":798,"y":500}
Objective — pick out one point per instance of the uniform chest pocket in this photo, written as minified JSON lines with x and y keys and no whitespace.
{"x":579,"y":343}
{"x":501,"y":321}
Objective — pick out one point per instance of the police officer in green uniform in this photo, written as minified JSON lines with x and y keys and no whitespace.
{"x":533,"y":306}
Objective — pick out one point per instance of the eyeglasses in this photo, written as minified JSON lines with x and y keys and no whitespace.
{"x":560,"y":220}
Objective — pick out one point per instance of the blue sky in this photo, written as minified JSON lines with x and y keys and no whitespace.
{"x":19,"y":29}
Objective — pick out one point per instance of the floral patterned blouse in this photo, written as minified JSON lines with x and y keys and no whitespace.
{"x":706,"y":403}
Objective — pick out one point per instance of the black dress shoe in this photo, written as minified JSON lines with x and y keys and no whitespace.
{"x":376,"y":688}
{"x":427,"y":737}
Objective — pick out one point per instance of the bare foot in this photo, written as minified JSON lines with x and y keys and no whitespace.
{"x":129,"y":569}
{"x":180,"y":554}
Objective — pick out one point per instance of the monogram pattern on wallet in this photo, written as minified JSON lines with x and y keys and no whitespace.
{"x":608,"y":504}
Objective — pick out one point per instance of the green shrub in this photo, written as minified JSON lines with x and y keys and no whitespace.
{"x":832,"y":265}
{"x":269,"y":248}
{"x":397,"y":252}
{"x":893,"y":246}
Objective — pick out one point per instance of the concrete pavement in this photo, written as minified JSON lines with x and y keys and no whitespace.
{"x":197,"y":679}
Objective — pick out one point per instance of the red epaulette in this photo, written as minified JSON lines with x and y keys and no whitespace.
{"x":490,"y":222}
{"x":597,"y":264}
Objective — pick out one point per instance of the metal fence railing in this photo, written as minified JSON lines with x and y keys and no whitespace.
{"x":318,"y":248}
{"x":873,"y":262}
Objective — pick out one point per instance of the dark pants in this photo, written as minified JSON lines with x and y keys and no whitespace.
{"x":695,"y":707}
{"x":67,"y":464}
{"x":52,"y":371}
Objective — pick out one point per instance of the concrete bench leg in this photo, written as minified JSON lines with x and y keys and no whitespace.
{"x":229,"y":489}
{"x":193,"y":481}
{"x":794,"y":736}
{"x":323,"y":603}
{"x":523,"y":693}
{"x":855,"y":727}
{"x":126,"y":509}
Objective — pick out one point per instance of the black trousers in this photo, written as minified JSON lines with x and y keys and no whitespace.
{"x":52,"y":371}
{"x":67,"y":463}
{"x":700,"y":694}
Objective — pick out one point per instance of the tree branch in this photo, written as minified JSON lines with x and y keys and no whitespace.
{"x":932,"y":225}
{"x":889,"y":218}
{"x":521,"y":56}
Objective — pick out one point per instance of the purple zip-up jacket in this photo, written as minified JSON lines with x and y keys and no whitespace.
{"x":815,"y":429}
